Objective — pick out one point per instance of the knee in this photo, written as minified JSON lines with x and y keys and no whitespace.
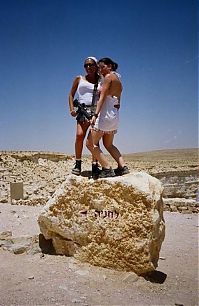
{"x":79,"y":138}
{"x":96,"y":150}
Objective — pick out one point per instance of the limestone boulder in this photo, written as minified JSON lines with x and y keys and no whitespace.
{"x":114,"y":223}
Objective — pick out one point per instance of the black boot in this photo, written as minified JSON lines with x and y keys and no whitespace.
{"x":122,"y":171}
{"x":77,"y":169}
{"x":106,"y":173}
{"x":95,"y":170}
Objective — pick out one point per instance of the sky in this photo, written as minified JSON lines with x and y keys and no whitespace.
{"x":43,"y":47}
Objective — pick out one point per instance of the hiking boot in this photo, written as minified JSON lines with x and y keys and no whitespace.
{"x":106,"y":173}
{"x":77,"y":169}
{"x":122,"y":171}
{"x":95,"y":170}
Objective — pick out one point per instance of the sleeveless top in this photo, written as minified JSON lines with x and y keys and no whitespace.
{"x":108,"y":119}
{"x":85,"y":92}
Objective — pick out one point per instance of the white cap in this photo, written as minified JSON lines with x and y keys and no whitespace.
{"x":93,"y":58}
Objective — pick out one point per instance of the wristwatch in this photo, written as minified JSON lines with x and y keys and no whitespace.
{"x":95,"y":115}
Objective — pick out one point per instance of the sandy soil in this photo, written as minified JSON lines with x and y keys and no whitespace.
{"x":58,"y":280}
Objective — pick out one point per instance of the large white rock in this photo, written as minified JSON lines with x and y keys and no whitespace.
{"x":115,"y":222}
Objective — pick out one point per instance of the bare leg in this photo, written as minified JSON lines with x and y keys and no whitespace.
{"x":82,"y":128}
{"x":97,"y":152}
{"x":113,"y":150}
{"x":89,"y":145}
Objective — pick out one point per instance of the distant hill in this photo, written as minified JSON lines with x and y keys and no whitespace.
{"x":191,"y":153}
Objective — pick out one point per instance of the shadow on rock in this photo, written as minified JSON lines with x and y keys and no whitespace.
{"x":155,"y":277}
{"x":89,"y":175}
{"x":46,"y":246}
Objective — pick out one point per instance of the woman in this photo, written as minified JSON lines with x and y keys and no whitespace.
{"x":86,"y":88}
{"x":106,"y":118}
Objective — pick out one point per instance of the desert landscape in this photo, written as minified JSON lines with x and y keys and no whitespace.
{"x":31,"y":276}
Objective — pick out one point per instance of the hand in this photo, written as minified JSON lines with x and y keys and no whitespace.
{"x":92,"y":121}
{"x":73,"y":113}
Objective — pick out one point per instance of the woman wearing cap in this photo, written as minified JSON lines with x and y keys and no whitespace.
{"x":87,"y":90}
{"x":106,"y":118}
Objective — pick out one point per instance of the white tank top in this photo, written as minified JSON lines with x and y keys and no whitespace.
{"x":85,"y":92}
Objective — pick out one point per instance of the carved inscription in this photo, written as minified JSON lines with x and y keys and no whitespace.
{"x":83,"y":213}
{"x":102,"y":214}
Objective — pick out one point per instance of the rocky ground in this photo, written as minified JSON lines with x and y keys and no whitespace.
{"x":42,"y":279}
{"x":30,"y":277}
{"x":43,"y":172}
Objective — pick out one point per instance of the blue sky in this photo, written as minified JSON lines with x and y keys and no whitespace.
{"x":43,"y":47}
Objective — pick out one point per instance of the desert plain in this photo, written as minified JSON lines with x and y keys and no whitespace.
{"x":31,"y":277}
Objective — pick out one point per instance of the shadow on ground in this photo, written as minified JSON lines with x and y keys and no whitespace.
{"x":155,"y":277}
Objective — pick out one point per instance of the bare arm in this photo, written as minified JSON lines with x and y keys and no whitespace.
{"x":72,"y":94}
{"x":103,"y":94}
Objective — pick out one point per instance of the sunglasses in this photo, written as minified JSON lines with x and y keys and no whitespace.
{"x":88,"y":65}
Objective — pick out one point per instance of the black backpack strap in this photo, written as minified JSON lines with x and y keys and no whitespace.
{"x":94,"y":94}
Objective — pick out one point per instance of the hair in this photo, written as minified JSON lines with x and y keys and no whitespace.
{"x":109,"y":61}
